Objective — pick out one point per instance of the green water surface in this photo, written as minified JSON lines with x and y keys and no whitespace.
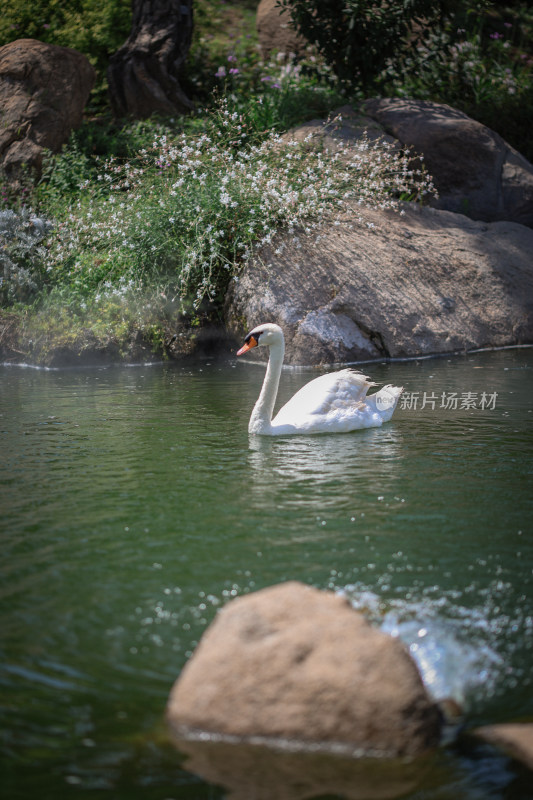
{"x":134,"y":504}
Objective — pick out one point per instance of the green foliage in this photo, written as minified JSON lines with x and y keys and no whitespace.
{"x":63,"y":175}
{"x":180,"y":217}
{"x":16,"y":195}
{"x":222,"y":31}
{"x":484,"y":69}
{"x":284,"y":95}
{"x":474,"y":55}
{"x":80,"y":161}
{"x":510,"y":115}
{"x":360,"y":38}
{"x":97,"y":28}
{"x":94,"y":27}
{"x":153,"y":218}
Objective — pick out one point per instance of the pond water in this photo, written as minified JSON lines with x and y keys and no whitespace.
{"x":134,"y":504}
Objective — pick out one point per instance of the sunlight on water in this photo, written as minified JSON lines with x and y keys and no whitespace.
{"x":134,"y":505}
{"x":463,"y":652}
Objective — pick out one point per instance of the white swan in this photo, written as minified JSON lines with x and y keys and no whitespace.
{"x":332,"y":403}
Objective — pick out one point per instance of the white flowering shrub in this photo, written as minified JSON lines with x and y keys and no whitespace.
{"x":21,"y":254}
{"x":187,"y":212}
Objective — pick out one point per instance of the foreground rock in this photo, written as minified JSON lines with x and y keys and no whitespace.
{"x":43,"y":91}
{"x":392,"y":285}
{"x":514,"y":739}
{"x":475,"y":171}
{"x":293,"y":663}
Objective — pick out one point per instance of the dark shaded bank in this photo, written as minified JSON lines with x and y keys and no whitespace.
{"x":19,"y":344}
{"x":188,"y":343}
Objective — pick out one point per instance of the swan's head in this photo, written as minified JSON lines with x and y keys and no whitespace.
{"x":268,"y":334}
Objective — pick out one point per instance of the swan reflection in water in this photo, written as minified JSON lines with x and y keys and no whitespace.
{"x":322,"y":471}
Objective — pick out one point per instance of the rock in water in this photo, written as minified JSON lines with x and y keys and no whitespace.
{"x":293,"y":663}
{"x":515,"y":739}
{"x":391,"y":285}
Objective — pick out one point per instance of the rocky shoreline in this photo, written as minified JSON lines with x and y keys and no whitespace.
{"x":375,"y":283}
{"x":190,"y":346}
{"x":421,"y":281}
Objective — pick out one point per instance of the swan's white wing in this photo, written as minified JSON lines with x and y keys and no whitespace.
{"x":332,"y":394}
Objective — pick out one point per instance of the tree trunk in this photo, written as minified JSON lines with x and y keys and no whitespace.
{"x":143,"y":73}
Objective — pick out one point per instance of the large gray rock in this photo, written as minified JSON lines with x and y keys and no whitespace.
{"x":293,"y":663}
{"x":43,"y":91}
{"x":392,"y":285}
{"x":475,"y":171}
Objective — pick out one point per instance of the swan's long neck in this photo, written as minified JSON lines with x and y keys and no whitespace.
{"x":261,"y":419}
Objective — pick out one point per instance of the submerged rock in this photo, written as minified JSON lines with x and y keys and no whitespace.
{"x":294,"y":663}
{"x":384,"y":284}
{"x":264,"y":773}
{"x":36,"y":344}
{"x":514,"y":739}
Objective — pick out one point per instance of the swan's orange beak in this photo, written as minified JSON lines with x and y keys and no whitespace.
{"x":252,"y":342}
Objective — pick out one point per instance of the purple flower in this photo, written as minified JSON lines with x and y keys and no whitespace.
{"x":221,"y":72}
{"x":232,"y":58}
{"x":496,"y":35}
{"x":234,"y":71}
